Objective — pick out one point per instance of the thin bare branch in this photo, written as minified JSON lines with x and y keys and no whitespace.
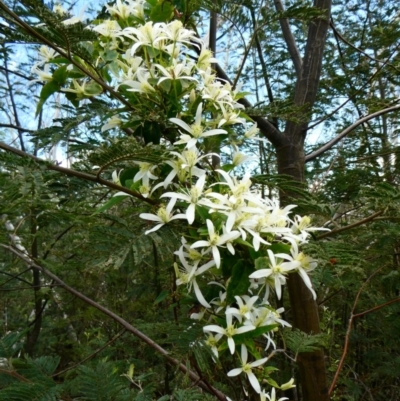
{"x":290,"y":40}
{"x":350,"y":226}
{"x":78,"y":174}
{"x":267,"y":128}
{"x":347,"y":131}
{"x":347,"y":337}
{"x":128,"y":327}
{"x":108,"y":343}
{"x":31,"y":31}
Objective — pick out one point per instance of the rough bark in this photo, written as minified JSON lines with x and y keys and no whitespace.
{"x":291,"y":161}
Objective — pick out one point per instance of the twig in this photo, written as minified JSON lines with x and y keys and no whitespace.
{"x":289,"y":39}
{"x":182,"y":367}
{"x":118,"y":335}
{"x":347,"y":337}
{"x":358,"y":223}
{"x":79,"y":174}
{"x":339,"y":137}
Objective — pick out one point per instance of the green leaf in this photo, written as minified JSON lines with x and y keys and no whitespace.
{"x":93,"y":88}
{"x":239,"y":282}
{"x":161,"y":296}
{"x":162,"y":11}
{"x":150,"y":131}
{"x":49,"y":89}
{"x":262,"y":263}
{"x":113,"y":201}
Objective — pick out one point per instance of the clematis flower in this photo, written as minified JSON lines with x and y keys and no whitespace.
{"x":247,"y":368}
{"x":271,"y":397}
{"x":188,"y":276}
{"x":229,"y":331}
{"x":195,"y":130}
{"x":278,"y":270}
{"x":163,"y":216}
{"x":193,"y":197}
{"x":214,"y":241}
{"x":245,"y":308}
{"x":141,"y":85}
{"x":177,"y":71}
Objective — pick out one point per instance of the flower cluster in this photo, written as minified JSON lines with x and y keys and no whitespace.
{"x":239,"y":242}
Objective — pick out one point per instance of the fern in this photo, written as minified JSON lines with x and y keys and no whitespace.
{"x":299,"y":342}
{"x":127,"y":149}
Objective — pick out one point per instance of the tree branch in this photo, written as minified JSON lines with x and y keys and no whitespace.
{"x":268,"y":129}
{"x":78,"y":174}
{"x":289,"y":39}
{"x":347,"y":338}
{"x":113,"y":339}
{"x":339,"y":137}
{"x":31,"y":31}
{"x":182,"y":367}
{"x":349,"y":227}
{"x":344,"y":40}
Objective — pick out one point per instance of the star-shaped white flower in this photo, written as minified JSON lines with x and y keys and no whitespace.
{"x":163,"y":216}
{"x":215,"y":240}
{"x":193,"y":197}
{"x":229,"y":331}
{"x":278,"y":270}
{"x":195,"y":130}
{"x":247,"y":368}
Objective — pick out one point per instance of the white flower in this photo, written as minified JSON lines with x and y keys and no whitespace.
{"x":145,"y":173}
{"x":123,"y":11}
{"x":141,"y":85}
{"x":113,"y":122}
{"x":247,"y":368}
{"x":193,"y":197}
{"x":214,"y":241}
{"x":212,"y":342}
{"x":229,"y":331}
{"x":146,"y":35}
{"x":288,"y":385}
{"x":178,"y":70}
{"x":188,"y":276}
{"x":108,"y":29}
{"x":245,"y":308}
{"x":272,"y":397}
{"x":175,"y":32}
{"x":44,"y":75}
{"x":305,"y":264}
{"x":163,"y":216}
{"x":195,"y":130}
{"x":278,"y":270}
{"x":252,"y":132}
{"x":75,"y":19}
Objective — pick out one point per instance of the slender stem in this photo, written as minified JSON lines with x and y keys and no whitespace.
{"x":348,"y":130}
{"x":289,"y":39}
{"x":78,"y":174}
{"x":113,"y":339}
{"x":350,"y":226}
{"x":347,"y":337}
{"x":181,"y":366}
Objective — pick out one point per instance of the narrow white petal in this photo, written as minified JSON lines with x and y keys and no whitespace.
{"x":231,"y":345}
{"x":181,"y":123}
{"x":154,"y":228}
{"x":214,"y":328}
{"x":190,"y":213}
{"x":216,"y":256}
{"x":235,"y":372}
{"x":254,"y":382}
{"x":199,"y":295}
